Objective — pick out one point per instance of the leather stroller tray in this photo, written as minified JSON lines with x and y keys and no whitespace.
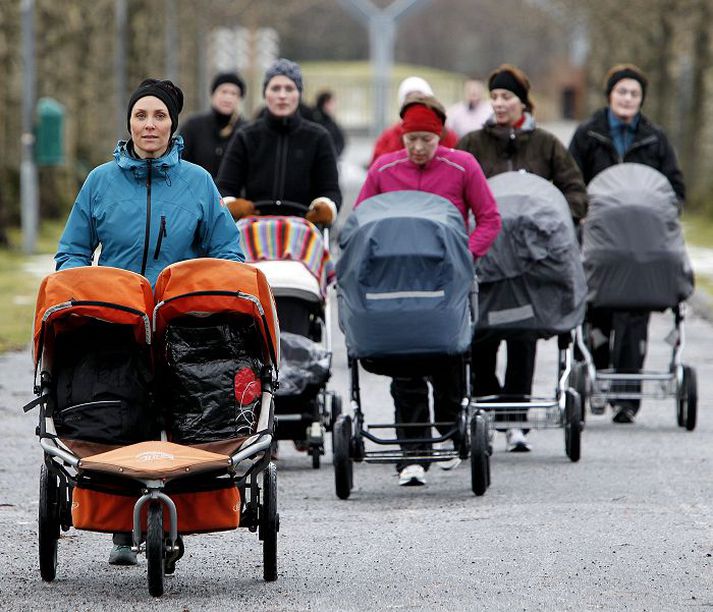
{"x":155,"y":460}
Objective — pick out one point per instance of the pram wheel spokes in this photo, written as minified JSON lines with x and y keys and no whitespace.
{"x":687,"y":404}
{"x":48,"y":527}
{"x":573,"y":425}
{"x":343,"y":465}
{"x":269,"y":523}
{"x":479,"y":455}
{"x":155,"y":549}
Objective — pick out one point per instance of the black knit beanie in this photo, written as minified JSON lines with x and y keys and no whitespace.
{"x":283,"y":67}
{"x":165,"y":91}
{"x":228,"y":77}
{"x":626,"y":71}
{"x":506,"y":80}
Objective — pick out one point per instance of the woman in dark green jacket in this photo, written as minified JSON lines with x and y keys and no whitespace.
{"x":508,"y":141}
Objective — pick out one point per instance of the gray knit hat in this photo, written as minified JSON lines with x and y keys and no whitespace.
{"x":283,"y":67}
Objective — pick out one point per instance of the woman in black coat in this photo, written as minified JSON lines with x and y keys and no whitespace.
{"x":281,"y":156}
{"x":615,"y":134}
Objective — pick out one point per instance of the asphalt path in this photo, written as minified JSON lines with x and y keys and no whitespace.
{"x":626,"y":528}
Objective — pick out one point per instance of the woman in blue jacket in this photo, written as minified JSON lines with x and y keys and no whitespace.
{"x":148,"y":208}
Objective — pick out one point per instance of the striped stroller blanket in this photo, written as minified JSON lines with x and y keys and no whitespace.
{"x":274,"y":238}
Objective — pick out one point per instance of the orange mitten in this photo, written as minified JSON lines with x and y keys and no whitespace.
{"x":240,"y":207}
{"x":322,"y":211}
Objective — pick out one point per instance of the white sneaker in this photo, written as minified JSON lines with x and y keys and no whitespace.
{"x":412,"y":476}
{"x":517,"y":442}
{"x":448,"y":464}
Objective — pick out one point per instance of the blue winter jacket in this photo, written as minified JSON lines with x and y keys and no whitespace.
{"x":147,"y":214}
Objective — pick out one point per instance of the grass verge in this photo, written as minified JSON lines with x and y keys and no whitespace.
{"x":18,"y":286}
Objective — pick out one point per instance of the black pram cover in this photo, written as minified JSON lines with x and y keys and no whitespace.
{"x":101,"y":382}
{"x":531,"y":279}
{"x":634,"y":253}
{"x":211,"y":384}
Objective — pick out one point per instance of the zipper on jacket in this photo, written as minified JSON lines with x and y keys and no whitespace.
{"x":161,"y":235}
{"x":278,"y":184}
{"x":147,"y":235}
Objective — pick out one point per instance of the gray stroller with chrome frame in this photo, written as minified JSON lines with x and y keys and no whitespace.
{"x":532,"y":284}
{"x":406,"y":297}
{"x":635,"y":260}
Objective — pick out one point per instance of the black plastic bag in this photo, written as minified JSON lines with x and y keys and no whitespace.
{"x":211,"y":385}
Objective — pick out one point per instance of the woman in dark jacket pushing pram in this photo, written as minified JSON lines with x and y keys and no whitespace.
{"x":615,"y":134}
{"x":424,"y":165}
{"x":281,"y":156}
{"x":510,"y":141}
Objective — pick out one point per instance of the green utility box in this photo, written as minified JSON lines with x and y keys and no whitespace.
{"x":49,"y":133}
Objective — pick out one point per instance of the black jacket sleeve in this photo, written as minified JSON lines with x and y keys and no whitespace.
{"x":234,"y":167}
{"x":670,"y":169}
{"x":325,"y":176}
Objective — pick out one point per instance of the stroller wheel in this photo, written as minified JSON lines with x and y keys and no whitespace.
{"x":579,"y":382}
{"x":155,"y":550}
{"x":687,"y":408}
{"x":269,"y":523}
{"x":314,"y":451}
{"x":573,"y":425}
{"x":479,"y":455}
{"x":343,"y":465}
{"x":48,"y":527}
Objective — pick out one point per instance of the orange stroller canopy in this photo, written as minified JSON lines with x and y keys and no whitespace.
{"x":99,"y":292}
{"x":213,"y":286}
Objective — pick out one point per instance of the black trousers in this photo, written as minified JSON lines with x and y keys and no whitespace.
{"x":619,"y":339}
{"x":411,"y":406}
{"x":519,"y":371}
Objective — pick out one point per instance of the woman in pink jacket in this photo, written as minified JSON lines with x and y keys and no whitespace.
{"x":425,"y":165}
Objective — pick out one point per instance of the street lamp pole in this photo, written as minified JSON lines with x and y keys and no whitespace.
{"x":29,"y":211}
{"x":381,"y":23}
{"x":120,"y":66}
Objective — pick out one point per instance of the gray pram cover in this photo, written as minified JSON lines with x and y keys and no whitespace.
{"x":634,"y":253}
{"x":531,"y":279}
{"x":405,"y":277}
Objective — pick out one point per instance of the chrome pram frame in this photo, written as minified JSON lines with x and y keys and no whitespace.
{"x":561,"y":411}
{"x":599,"y":387}
{"x":469,"y":434}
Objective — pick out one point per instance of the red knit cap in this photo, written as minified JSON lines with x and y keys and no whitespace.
{"x":420,"y":118}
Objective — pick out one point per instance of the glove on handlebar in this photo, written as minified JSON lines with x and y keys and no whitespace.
{"x":240,"y":207}
{"x":322,"y":211}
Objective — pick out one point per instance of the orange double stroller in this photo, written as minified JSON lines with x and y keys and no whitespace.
{"x":156,"y":408}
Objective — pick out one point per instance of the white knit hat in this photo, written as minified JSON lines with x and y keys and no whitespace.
{"x":413,"y":84}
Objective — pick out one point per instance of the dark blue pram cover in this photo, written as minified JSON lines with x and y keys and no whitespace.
{"x":405,"y":277}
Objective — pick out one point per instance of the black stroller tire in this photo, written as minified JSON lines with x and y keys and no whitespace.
{"x":155,"y":550}
{"x":48,"y":524}
{"x":687,"y":412}
{"x":343,"y":464}
{"x":573,"y":425}
{"x":315,"y":454}
{"x":579,"y":382}
{"x":269,"y":523}
{"x":479,"y":455}
{"x":336,"y":411}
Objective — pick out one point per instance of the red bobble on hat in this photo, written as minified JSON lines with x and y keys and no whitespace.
{"x":420,"y":118}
